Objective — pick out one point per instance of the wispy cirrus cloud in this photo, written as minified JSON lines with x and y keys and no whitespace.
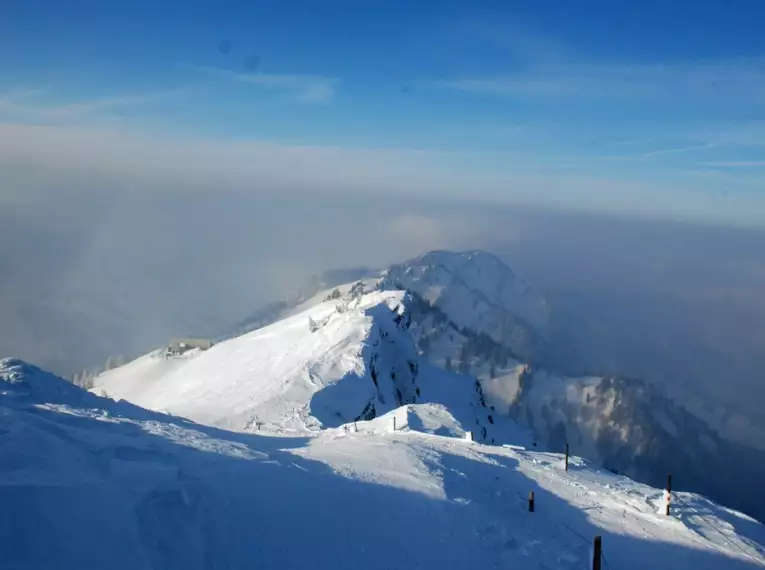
{"x":746,"y":134}
{"x":30,"y":104}
{"x":106,"y":104}
{"x":14,"y":96}
{"x":737,"y":78}
{"x":305,"y":88}
{"x":628,"y":143}
{"x":734,"y":163}
{"x":677,"y":149}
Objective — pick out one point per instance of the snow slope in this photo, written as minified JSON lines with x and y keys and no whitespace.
{"x":345,"y":357}
{"x":464,"y":310}
{"x":324,"y":366}
{"x":633,"y":427}
{"x":316,"y":289}
{"x":463,"y":319}
{"x":87,"y":482}
{"x":131,"y":380}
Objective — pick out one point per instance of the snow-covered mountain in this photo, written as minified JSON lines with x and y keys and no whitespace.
{"x":88,"y":482}
{"x":320,"y":368}
{"x":477,"y":290}
{"x":338,"y":352}
{"x":303,"y":294}
{"x":625,"y":424}
{"x":464,"y":319}
{"x":478,"y":293}
{"x":348,"y":357}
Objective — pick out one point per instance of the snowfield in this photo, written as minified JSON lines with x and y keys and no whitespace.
{"x":353,"y":433}
{"x":268,"y":379}
{"x":337,"y":361}
{"x":87,"y":482}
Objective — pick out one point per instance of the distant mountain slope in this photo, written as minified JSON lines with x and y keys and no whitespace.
{"x":277,"y":310}
{"x":87,"y":482}
{"x":478,"y":292}
{"x":634,"y":428}
{"x":623,"y":423}
{"x":476,"y":288}
{"x":333,"y":363}
{"x":461,"y":312}
{"x":133,"y":379}
{"x":348,"y":357}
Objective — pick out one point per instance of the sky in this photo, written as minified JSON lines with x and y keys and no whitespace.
{"x":654,"y":109}
{"x":166,"y":168}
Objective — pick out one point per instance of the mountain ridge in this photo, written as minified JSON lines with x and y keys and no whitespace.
{"x":625,"y":424}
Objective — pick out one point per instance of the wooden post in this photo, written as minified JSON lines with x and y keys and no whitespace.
{"x":668,"y":497}
{"x":531,"y":501}
{"x":597,"y":553}
{"x":566,"y":465}
{"x":394,"y":423}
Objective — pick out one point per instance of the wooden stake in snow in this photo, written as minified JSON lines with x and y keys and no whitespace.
{"x":394,"y":423}
{"x":531,"y":501}
{"x":597,"y":553}
{"x":566,"y":464}
{"x":668,"y":495}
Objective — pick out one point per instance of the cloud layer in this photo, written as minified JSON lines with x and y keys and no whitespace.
{"x":738,"y":79}
{"x":304,"y":88}
{"x":35,"y":158}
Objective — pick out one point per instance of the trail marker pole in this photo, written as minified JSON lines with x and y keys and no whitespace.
{"x":531,"y":501}
{"x":394,"y":423}
{"x":597,"y":553}
{"x":668,"y":495}
{"x":566,"y":464}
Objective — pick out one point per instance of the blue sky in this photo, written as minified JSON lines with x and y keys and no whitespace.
{"x":650,"y":107}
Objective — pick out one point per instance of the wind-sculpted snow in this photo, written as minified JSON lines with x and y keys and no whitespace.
{"x":86,"y":482}
{"x":26,"y":382}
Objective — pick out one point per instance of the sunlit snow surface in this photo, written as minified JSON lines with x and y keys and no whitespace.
{"x":87,"y":482}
